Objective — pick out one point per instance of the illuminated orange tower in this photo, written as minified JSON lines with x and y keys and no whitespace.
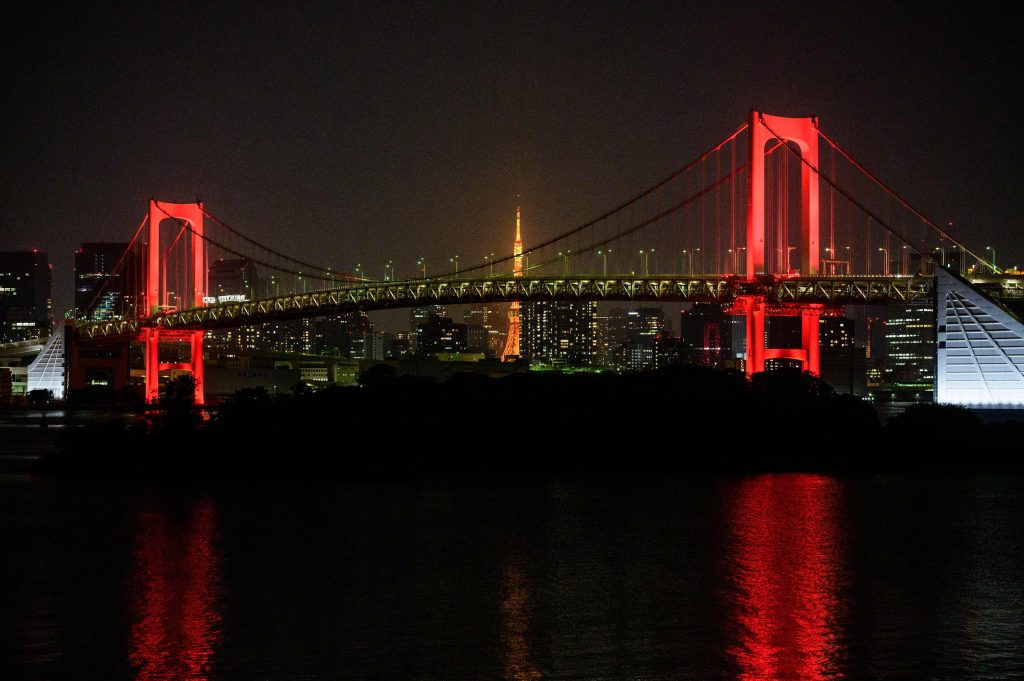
{"x":512,"y":343}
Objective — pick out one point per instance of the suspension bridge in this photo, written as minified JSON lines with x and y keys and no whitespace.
{"x":776,"y":219}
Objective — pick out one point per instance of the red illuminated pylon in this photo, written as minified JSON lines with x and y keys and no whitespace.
{"x":762,"y":129}
{"x":188,"y":217}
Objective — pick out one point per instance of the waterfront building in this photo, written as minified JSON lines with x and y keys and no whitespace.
{"x":559,"y":333}
{"x":843,"y":364}
{"x":907,"y":361}
{"x":442,"y":334}
{"x":26,"y":308}
{"x":494,"y":321}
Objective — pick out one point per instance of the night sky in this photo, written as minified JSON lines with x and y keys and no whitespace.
{"x":401,"y":131}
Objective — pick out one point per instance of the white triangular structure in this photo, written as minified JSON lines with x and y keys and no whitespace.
{"x":979,"y":349}
{"x":46,"y":372}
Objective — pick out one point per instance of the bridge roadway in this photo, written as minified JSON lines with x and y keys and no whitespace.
{"x":380,"y":295}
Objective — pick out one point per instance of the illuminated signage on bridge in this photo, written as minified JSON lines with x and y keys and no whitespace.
{"x":231,"y":298}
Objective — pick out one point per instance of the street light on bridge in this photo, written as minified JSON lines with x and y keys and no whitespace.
{"x":993,"y":264}
{"x":565,"y":262}
{"x":885,"y":261}
{"x":604,"y":256}
{"x":962,"y":256}
{"x":422,"y":262}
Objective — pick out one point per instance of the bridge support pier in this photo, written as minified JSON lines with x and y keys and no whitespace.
{"x":151,"y":337}
{"x":755,"y":310}
{"x":102,"y":363}
{"x":810,"y":316}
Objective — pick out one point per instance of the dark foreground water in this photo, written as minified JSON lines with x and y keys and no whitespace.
{"x":767,"y":577}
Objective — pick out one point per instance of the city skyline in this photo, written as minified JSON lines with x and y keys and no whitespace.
{"x":392,"y":155}
{"x":511,"y":341}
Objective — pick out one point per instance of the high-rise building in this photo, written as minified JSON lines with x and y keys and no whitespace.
{"x":615,"y":338}
{"x":559,"y":333}
{"x":396,"y":345}
{"x":843,"y":364}
{"x":668,"y":350}
{"x":627,"y":339}
{"x":875,"y":349}
{"x":634,"y":332}
{"x":103,"y":289}
{"x":494,"y":321}
{"x":476,"y":339}
{"x":421,"y":315}
{"x":232,"y":280}
{"x":908,"y":349}
{"x":349,"y":334}
{"x":26,"y":309}
{"x":442,"y":334}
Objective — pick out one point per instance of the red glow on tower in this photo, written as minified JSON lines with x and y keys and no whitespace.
{"x":784,"y":567}
{"x":188,"y":218}
{"x":803,"y":132}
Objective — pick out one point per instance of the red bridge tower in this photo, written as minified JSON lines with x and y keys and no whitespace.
{"x":762,"y":129}
{"x":188,"y":224}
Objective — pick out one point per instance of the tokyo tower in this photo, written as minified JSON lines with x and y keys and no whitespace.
{"x":511,"y":352}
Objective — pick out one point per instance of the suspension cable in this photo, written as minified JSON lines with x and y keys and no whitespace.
{"x":257,"y":244}
{"x":285,"y":270}
{"x":616,"y":209}
{"x":644,"y":223}
{"x":923,"y":252}
{"x":120,"y":261}
{"x":903,"y":202}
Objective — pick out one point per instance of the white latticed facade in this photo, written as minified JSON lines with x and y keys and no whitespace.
{"x":980,"y":348}
{"x":46,"y":372}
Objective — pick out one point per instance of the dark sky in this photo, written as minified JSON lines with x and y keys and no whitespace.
{"x":377,"y":131}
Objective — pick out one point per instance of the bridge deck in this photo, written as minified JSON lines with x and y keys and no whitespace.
{"x":380,"y":295}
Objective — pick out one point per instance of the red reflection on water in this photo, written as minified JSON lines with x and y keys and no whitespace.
{"x":515,"y":610}
{"x":784,"y":570}
{"x":175,"y":591}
